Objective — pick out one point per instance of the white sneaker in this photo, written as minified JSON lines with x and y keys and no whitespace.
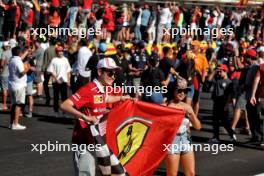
{"x":18,"y":127}
{"x":29,"y":115}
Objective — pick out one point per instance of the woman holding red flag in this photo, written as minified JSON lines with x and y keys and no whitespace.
{"x":181,"y":149}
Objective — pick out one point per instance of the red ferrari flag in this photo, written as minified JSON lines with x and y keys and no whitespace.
{"x":137,"y":133}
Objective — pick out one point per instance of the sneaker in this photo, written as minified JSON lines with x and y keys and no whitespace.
{"x":245,"y":131}
{"x":214,"y":141}
{"x":18,"y":127}
{"x":234,"y":139}
{"x":29,"y":115}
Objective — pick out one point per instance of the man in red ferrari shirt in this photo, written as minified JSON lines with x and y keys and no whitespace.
{"x":88,"y":105}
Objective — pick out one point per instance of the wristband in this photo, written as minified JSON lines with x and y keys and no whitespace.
{"x":84,"y":117}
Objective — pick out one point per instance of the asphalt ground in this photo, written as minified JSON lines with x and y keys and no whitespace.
{"x":17,"y":159}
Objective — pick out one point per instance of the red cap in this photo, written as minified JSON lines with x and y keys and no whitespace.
{"x":223,"y":67}
{"x":252,"y":53}
{"x":59,"y":48}
{"x":229,"y":47}
{"x":101,"y":3}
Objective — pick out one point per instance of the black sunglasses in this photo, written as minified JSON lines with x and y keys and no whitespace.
{"x":185,"y":91}
{"x":109,"y":72}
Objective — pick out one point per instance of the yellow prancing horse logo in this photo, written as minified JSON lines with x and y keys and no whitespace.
{"x":130,"y":137}
{"x":98,"y":99}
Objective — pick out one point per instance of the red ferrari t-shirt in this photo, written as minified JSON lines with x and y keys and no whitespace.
{"x":90,"y":100}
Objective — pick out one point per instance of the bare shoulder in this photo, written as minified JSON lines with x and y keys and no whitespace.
{"x":186,"y":107}
{"x":171,"y":104}
{"x":177,"y":105}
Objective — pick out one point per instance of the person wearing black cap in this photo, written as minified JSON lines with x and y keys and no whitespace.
{"x":137,"y":65}
{"x":121,"y":60}
{"x":167,"y":67}
{"x":154,"y":78}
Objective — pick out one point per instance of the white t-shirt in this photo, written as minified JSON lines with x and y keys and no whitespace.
{"x":139,"y":17}
{"x":44,"y":45}
{"x":84,"y":54}
{"x":60,"y":67}
{"x":220,"y":19}
{"x":165,"y":16}
{"x":16,"y":67}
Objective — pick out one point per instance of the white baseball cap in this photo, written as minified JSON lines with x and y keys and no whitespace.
{"x":260,"y":49}
{"x":13,"y":43}
{"x":107,"y":63}
{"x":6,"y":43}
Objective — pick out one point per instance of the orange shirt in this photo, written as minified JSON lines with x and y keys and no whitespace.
{"x":201,"y":63}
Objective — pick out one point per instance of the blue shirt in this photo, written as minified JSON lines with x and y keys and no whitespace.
{"x":145,"y":17}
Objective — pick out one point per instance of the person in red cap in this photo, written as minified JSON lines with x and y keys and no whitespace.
{"x":251,"y":53}
{"x":88,"y":105}
{"x":60,"y":71}
{"x":221,"y":98}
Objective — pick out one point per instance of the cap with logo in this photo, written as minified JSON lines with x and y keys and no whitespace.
{"x":107,"y":63}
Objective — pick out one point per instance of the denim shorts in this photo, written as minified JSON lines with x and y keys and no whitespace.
{"x":190,"y":94}
{"x":181,"y":144}
{"x":241,"y":102}
{"x":3,"y":83}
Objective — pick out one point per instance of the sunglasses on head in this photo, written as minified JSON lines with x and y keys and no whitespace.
{"x":109,"y":72}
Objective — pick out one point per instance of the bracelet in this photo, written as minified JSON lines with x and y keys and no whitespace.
{"x":84,"y":117}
